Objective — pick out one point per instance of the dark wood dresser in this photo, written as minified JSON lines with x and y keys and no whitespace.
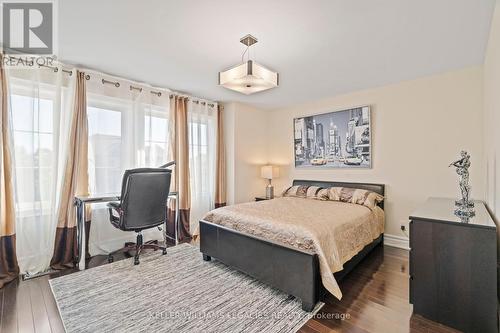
{"x":453,"y":266}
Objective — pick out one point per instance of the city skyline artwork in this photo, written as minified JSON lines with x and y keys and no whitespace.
{"x":340,"y":139}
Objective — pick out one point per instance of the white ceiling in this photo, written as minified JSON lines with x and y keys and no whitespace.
{"x":321,"y":48}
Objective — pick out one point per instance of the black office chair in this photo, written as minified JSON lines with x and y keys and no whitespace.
{"x":143,"y":205}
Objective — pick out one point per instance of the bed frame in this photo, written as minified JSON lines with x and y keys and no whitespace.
{"x":288,"y":269}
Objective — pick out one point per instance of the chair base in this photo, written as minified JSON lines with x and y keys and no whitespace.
{"x":137,"y":247}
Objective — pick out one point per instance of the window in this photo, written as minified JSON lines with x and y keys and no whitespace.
{"x":122,"y":135}
{"x":198,"y":149}
{"x":40,"y":123}
{"x":33,"y":152}
{"x":155,"y":138}
{"x":106,"y":161}
{"x":202,"y":122}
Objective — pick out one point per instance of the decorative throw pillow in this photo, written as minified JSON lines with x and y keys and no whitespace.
{"x":372,"y":199}
{"x":312,"y":192}
{"x":323,"y":194}
{"x":334,"y":193}
{"x":302,"y":191}
{"x":290,"y":191}
{"x":356,"y":196}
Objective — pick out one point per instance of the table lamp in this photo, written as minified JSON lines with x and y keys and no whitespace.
{"x":269,"y":172}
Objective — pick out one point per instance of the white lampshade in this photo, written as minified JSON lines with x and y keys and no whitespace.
{"x":269,"y":172}
{"x":248,"y":78}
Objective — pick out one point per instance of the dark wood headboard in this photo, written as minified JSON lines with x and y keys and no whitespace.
{"x":377,"y":188}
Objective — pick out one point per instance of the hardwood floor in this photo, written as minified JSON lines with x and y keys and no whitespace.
{"x":375,"y":300}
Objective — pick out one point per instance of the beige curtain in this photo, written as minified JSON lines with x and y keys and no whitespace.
{"x":9,"y":270}
{"x":75,"y":181}
{"x":179,"y":142}
{"x":220,"y":162}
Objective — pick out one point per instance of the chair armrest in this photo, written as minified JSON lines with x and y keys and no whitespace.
{"x":115,"y":211}
{"x":114,"y":204}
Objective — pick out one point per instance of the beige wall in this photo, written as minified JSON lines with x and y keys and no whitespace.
{"x":492,"y":115}
{"x":246,"y":150}
{"x":419,"y":127}
{"x":491,"y":87}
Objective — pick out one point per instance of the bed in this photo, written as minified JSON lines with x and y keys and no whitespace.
{"x":288,"y":263}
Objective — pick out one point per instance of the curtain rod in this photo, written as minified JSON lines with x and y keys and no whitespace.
{"x":157,"y":93}
{"x":87,"y":77}
{"x":56,"y":69}
{"x":116,"y":83}
{"x":195,"y":101}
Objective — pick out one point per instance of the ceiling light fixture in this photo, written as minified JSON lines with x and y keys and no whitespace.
{"x":248,"y":77}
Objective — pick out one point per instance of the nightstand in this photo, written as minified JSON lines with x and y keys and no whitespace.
{"x":261,"y":198}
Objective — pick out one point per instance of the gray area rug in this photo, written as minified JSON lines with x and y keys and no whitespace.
{"x":177,"y":292}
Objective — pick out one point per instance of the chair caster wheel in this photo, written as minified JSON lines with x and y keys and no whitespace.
{"x":136,"y":260}
{"x":110,"y":259}
{"x":164,"y":252}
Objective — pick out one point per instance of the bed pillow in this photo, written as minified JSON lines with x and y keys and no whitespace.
{"x":302,"y":191}
{"x":323,"y":194}
{"x":356,"y":196}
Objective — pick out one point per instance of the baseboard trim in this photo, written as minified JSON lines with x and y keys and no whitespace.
{"x":396,"y":241}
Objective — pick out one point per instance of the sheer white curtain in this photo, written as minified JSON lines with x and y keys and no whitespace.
{"x":128,"y":128}
{"x":40,"y":106}
{"x":202,"y":122}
